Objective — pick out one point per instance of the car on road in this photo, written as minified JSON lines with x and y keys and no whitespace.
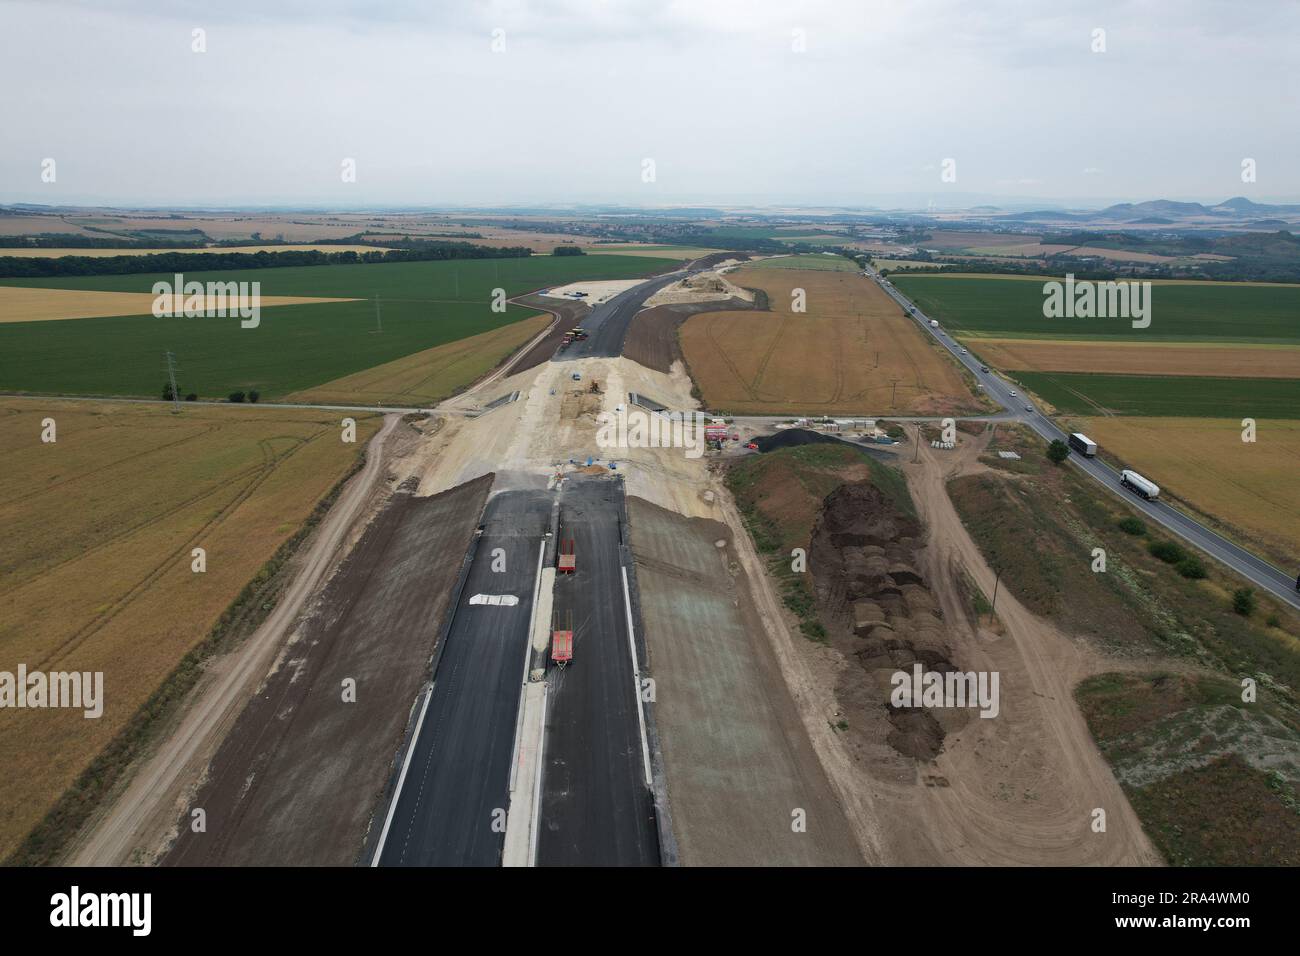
{"x":1029,"y":408}
{"x":984,"y":368}
{"x":963,"y":351}
{"x":1013,"y":394}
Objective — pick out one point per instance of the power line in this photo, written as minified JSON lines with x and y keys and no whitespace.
{"x":171,"y":378}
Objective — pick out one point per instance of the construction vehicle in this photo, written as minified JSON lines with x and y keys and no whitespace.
{"x":566,"y":560}
{"x":595,"y":387}
{"x":562,"y":641}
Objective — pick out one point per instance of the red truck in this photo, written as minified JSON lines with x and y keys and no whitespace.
{"x":562,"y":647}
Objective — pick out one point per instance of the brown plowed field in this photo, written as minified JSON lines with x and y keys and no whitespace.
{"x":1147,"y":358}
{"x":852,"y":351}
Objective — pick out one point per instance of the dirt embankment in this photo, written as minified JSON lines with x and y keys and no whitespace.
{"x":879,"y":614}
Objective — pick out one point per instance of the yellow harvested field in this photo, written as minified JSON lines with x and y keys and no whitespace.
{"x":650,"y":252}
{"x":32,"y":253}
{"x":96,"y":557}
{"x":852,"y":351}
{"x":427,"y":377}
{"x":1141,"y":358}
{"x":1248,"y":486}
{"x":24,"y":304}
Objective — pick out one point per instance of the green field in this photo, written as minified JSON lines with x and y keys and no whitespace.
{"x":422,"y":305}
{"x":818,"y":263}
{"x":1190,"y":311}
{"x":1189,"y":396}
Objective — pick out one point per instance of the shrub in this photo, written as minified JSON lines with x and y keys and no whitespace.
{"x":1132,"y":525}
{"x":1243,"y":601}
{"x":191,"y":397}
{"x":254,"y":395}
{"x":1191,"y":567}
{"x":169,"y":393}
{"x":1058,"y":451}
{"x":1167,"y":551}
{"x":236,"y":396}
{"x":568,"y":251}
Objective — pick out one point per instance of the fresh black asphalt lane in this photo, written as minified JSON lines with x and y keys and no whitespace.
{"x":596,"y":808}
{"x":456,"y":791}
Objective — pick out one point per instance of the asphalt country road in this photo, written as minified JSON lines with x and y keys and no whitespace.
{"x":1253,"y":568}
{"x":450,"y":807}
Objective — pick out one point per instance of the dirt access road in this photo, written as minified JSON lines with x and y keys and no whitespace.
{"x":128,"y":829}
{"x":1022,"y":788}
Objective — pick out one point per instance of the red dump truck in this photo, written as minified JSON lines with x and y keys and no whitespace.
{"x":562,"y":647}
{"x":566,"y":562}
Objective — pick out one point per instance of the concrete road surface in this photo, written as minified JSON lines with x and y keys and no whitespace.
{"x":1280,"y":583}
{"x":450,"y":806}
{"x":596,"y":807}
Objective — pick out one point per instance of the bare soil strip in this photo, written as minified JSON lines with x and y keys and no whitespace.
{"x":297,"y":779}
{"x":134,"y":826}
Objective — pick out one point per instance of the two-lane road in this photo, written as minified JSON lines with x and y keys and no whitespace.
{"x":1259,"y":572}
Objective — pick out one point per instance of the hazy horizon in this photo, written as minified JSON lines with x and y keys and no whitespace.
{"x":760,"y":104}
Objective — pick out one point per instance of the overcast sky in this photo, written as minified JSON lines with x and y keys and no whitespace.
{"x":716,"y":92}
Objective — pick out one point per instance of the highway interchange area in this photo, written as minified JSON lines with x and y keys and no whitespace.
{"x":593,"y":801}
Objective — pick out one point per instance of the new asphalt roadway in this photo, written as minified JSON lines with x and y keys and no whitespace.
{"x":453,"y":791}
{"x":597,"y":809}
{"x":1280,"y":583}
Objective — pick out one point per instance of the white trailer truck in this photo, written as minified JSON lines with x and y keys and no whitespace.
{"x":1139,"y":485}
{"x":1083,"y":445}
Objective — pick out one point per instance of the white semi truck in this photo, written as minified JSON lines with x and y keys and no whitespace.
{"x":1139,"y":485}
{"x":1084,"y":445}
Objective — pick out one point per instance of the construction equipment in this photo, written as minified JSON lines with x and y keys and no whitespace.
{"x":595,"y":387}
{"x":562,"y":640}
{"x":566,"y":560}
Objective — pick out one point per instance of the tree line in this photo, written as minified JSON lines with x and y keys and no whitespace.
{"x":15,"y":267}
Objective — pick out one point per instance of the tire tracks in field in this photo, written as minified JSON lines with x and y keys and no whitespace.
{"x":270,"y":463}
{"x":44,"y":489}
{"x":721,"y":353}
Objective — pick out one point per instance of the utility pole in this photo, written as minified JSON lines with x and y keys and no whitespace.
{"x":379,"y":321}
{"x":893,"y":382}
{"x":171,"y":378}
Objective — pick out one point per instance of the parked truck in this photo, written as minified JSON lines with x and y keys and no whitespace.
{"x":1139,"y":485}
{"x":1083,"y":445}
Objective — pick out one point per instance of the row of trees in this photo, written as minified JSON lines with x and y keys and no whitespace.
{"x":23,"y":268}
{"x":170,"y":395}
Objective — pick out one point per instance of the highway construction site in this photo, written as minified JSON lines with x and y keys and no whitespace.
{"x":523,"y":648}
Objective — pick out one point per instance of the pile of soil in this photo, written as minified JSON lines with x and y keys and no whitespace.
{"x":787,"y":437}
{"x":879,"y":612}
